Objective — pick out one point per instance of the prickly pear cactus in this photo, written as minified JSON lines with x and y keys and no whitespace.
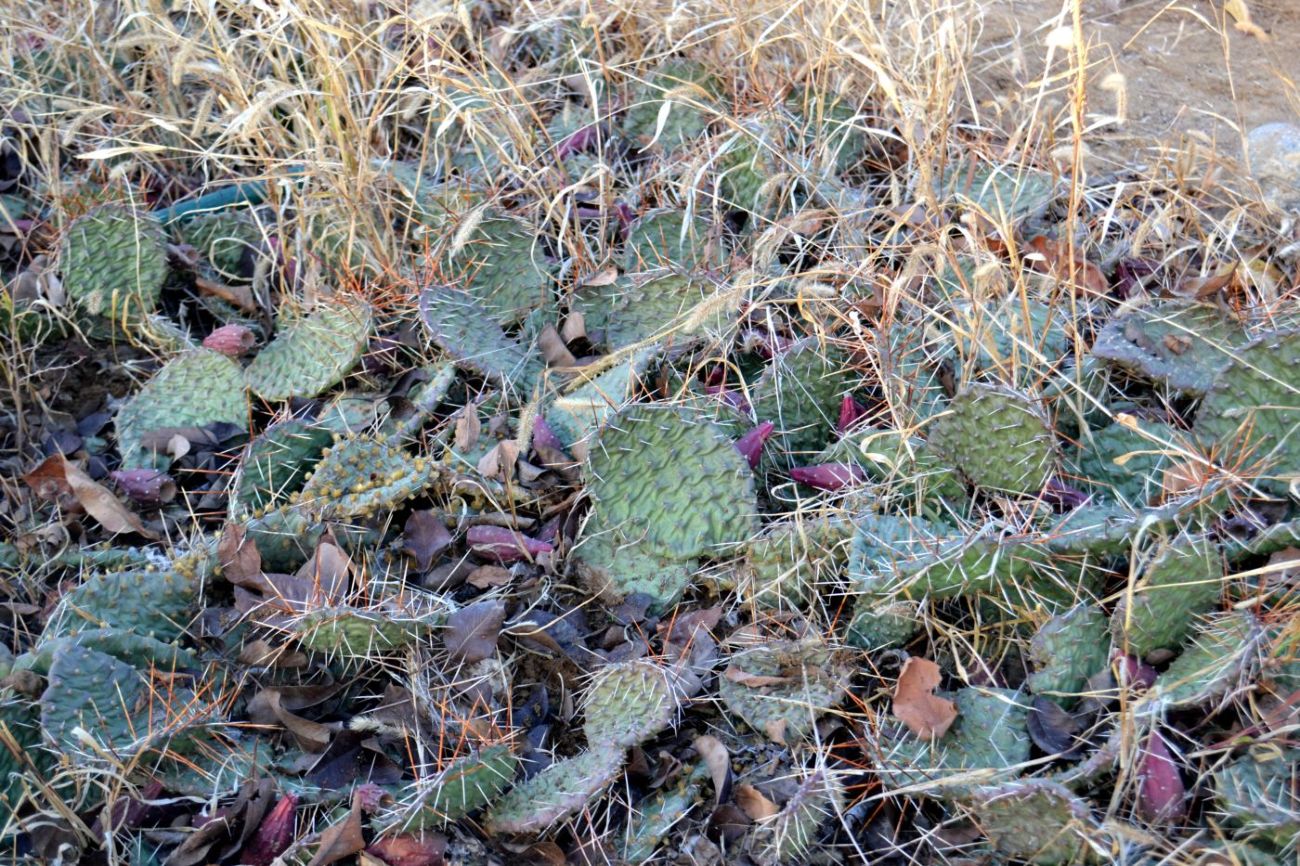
{"x":276,"y":463}
{"x":503,"y":268}
{"x":140,"y":651}
{"x":878,"y":625}
{"x":557,"y":792}
{"x":1180,"y":582}
{"x":800,"y":392}
{"x":628,"y":704}
{"x":673,"y":104}
{"x":1006,"y":194}
{"x":464,"y":329}
{"x":638,"y":307}
{"x":575,"y":415}
{"x":363,"y":475}
{"x":19,"y":719}
{"x":654,"y":817}
{"x":356,"y":633}
{"x":1257,"y":793}
{"x":669,"y":239}
{"x":284,"y":537}
{"x":1067,"y":650}
{"x":156,"y":603}
{"x":988,"y":741}
{"x":615,"y":571}
{"x":114,"y":262}
{"x":224,"y":238}
{"x":464,"y":785}
{"x":789,"y":835}
{"x":790,"y":558}
{"x":311,"y":353}
{"x":1222,"y":656}
{"x":781,"y":688}
{"x":1124,"y":465}
{"x":750,"y":158}
{"x":642,"y":489}
{"x":1251,"y":413}
{"x":196,"y":389}
{"x":1033,"y":820}
{"x":1179,"y":345}
{"x":997,"y":438}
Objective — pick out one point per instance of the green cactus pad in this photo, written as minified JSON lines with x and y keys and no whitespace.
{"x":790,"y":558}
{"x":615,"y":571}
{"x":1258,"y":794}
{"x":311,"y":353}
{"x":20,"y":719}
{"x":137,"y":650}
{"x":808,"y":683}
{"x":1014,"y":342}
{"x":878,"y":625}
{"x":363,"y":475}
{"x":788,"y":836}
{"x":1251,"y":413}
{"x":1067,"y":650}
{"x":628,"y":704}
{"x":988,"y":742}
{"x":1222,"y":656}
{"x":107,"y":699}
{"x":1007,"y":194}
{"x":674,"y":101}
{"x":463,"y":786}
{"x":156,"y":603}
{"x":1137,"y":481}
{"x":463,"y":328}
{"x":1181,"y":581}
{"x":275,"y":464}
{"x":285,"y":538}
{"x":642,"y":488}
{"x":223,"y":238}
{"x":355,"y":633}
{"x":1182,"y":346}
{"x":998,"y":439}
{"x":196,"y":389}
{"x":577,"y":414}
{"x":557,"y":792}
{"x":750,"y":156}
{"x":1034,"y":820}
{"x":668,"y":239}
{"x":503,"y":268}
{"x":639,"y":307}
{"x":114,"y":262}
{"x":800,"y":392}
{"x":654,"y":817}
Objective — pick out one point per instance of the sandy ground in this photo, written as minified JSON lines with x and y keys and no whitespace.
{"x":1179,"y":70}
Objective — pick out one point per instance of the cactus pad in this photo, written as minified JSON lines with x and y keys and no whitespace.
{"x":356,"y":633}
{"x":643,"y":490}
{"x":363,"y":475}
{"x":1182,"y":346}
{"x":192,"y":390}
{"x":557,"y":792}
{"x":466,"y":784}
{"x":781,"y":688}
{"x":998,"y":439}
{"x":878,"y":625}
{"x":311,"y":353}
{"x":1221,"y":657}
{"x":1067,"y":650}
{"x":654,"y":817}
{"x":638,"y":307}
{"x":1006,"y":194}
{"x":137,"y":650}
{"x":789,"y":835}
{"x":668,"y":239}
{"x":1035,"y":820}
{"x":223,"y":238}
{"x":666,"y":103}
{"x":504,"y":269}
{"x":464,"y":329}
{"x":1137,"y":480}
{"x":275,"y":464}
{"x":114,"y":262}
{"x":1251,"y":413}
{"x":1181,"y":581}
{"x":580,"y":412}
{"x":1258,"y":793}
{"x":615,"y":571}
{"x":800,"y":392}
{"x":628,"y":704}
{"x":156,"y":603}
{"x":790,"y":558}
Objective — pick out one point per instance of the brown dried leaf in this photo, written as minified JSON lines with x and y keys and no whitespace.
{"x":753,"y":681}
{"x":575,"y":327}
{"x":915,"y":704}
{"x":468,"y":428}
{"x":754,"y":804}
{"x":410,"y":849}
{"x":328,"y":573}
{"x":488,"y":576}
{"x":342,"y":840}
{"x":499,"y":463}
{"x":58,"y":475}
{"x":310,"y":736}
{"x":472,"y":632}
{"x":424,"y":536}
{"x":240,"y":561}
{"x":553,"y":350}
{"x":716,"y":758}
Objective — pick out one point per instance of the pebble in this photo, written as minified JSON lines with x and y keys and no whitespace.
{"x":1274,"y":159}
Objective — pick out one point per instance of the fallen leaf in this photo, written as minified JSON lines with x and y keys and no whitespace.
{"x":575,"y":327}
{"x":1202,"y":287}
{"x":488,"y":576}
{"x":1055,"y":255}
{"x":916,"y":705}
{"x":716,"y":758}
{"x":60,"y":476}
{"x":753,"y":681}
{"x":471,"y":633}
{"x":553,"y":350}
{"x":754,"y":804}
{"x":273,"y":836}
{"x":328,"y":572}
{"x":1053,"y":729}
{"x":240,"y":561}
{"x":499,"y":463}
{"x":1161,"y":794}
{"x":467,"y":430}
{"x":342,"y":840}
{"x":424,"y":536}
{"x":310,"y":736}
